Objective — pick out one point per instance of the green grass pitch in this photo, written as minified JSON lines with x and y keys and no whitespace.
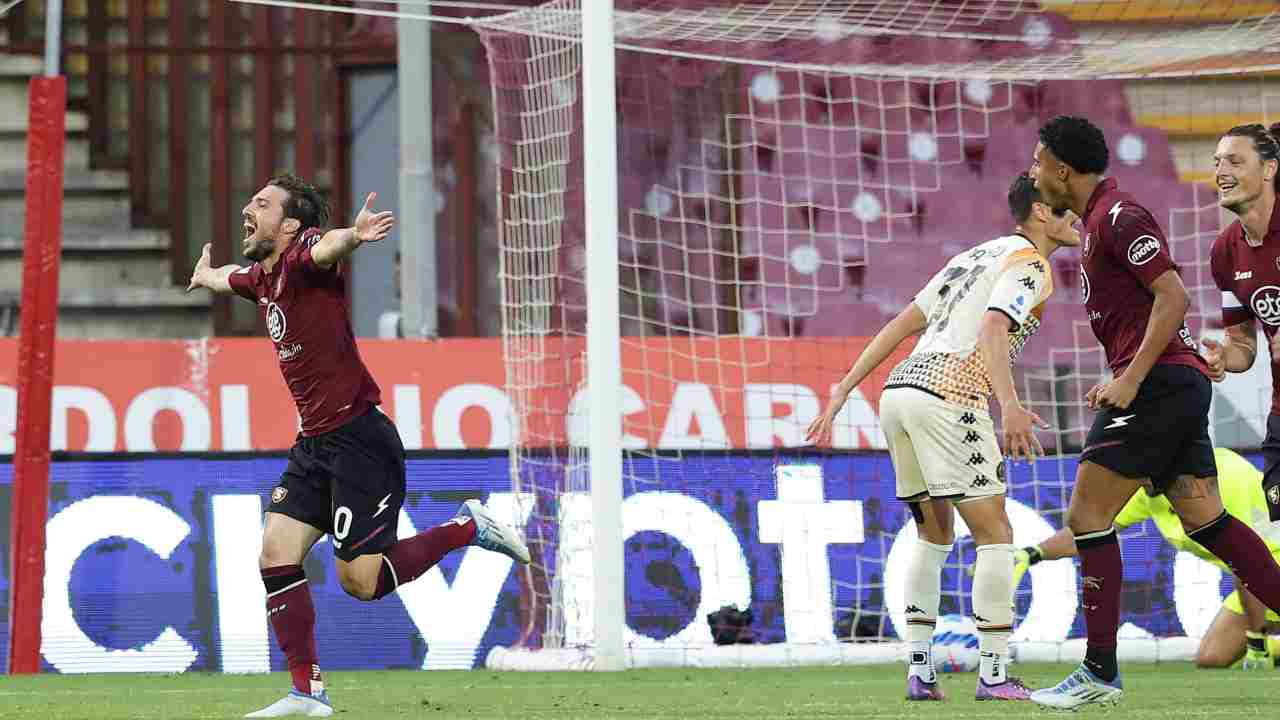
{"x":1152,"y":692}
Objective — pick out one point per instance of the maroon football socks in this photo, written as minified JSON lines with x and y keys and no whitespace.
{"x":293,"y":617}
{"x":1245,"y":553}
{"x":405,"y":561}
{"x":1103,"y":571}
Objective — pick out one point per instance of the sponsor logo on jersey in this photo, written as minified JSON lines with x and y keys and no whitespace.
{"x":1246,"y":274}
{"x":276,"y":323}
{"x":1142,"y":250}
{"x":1265,"y":304}
{"x":289,"y":352}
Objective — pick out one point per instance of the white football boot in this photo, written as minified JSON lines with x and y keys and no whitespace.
{"x":296,"y":704}
{"x":493,"y":534}
{"x":1081,"y":687}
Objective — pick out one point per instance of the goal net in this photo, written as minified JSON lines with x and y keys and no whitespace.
{"x":789,"y":174}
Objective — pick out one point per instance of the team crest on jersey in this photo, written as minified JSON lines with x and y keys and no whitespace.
{"x":1084,"y":285}
{"x":276,"y":323}
{"x":278,"y":494}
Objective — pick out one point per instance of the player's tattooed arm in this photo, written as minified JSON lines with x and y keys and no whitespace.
{"x":909,"y":322}
{"x":1235,"y":354}
{"x":217,"y":279}
{"x":338,"y":243}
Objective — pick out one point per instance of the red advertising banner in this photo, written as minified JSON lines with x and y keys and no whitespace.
{"x":227,"y":394}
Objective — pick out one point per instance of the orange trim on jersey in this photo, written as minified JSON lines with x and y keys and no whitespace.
{"x":1031,"y":255}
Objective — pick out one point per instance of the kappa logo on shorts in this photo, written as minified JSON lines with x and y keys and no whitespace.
{"x":972,"y":437}
{"x":968,"y":419}
{"x":976,"y":459}
{"x":278,"y":494}
{"x":1027,"y":282}
{"x":980,"y":481}
{"x":913,"y":609}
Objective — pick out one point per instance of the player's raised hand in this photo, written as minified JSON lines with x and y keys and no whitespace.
{"x":1019,"y":433}
{"x":1213,"y":356}
{"x":372,"y":226}
{"x":203,"y":266}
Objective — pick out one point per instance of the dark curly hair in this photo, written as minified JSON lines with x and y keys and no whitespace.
{"x":1076,"y":142}
{"x":1265,"y":140}
{"x":306,"y":203}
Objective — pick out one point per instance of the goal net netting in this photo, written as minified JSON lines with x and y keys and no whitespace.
{"x":789,"y":174}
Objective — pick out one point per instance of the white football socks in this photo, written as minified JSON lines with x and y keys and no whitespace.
{"x":924,"y":590}
{"x":993,"y":609}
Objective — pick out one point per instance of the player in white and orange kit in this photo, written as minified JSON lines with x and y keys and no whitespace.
{"x":975,"y":314}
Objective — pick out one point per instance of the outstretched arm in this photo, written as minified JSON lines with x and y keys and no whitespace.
{"x":908,"y":323}
{"x":338,"y":243}
{"x":206,"y":276}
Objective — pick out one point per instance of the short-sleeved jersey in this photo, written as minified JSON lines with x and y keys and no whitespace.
{"x":1124,"y":252}
{"x":1240,"y":485}
{"x":305,"y":309}
{"x":1008,"y":275}
{"x":1249,"y":277}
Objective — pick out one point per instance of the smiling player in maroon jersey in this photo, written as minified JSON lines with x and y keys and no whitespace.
{"x":346,"y":471}
{"x":1246,"y":266}
{"x":1152,"y":430}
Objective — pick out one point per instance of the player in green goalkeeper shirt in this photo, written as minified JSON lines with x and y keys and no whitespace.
{"x":1240,"y":628}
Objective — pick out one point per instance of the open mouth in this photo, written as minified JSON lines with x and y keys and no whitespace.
{"x":249,"y":229}
{"x":1226,"y":186}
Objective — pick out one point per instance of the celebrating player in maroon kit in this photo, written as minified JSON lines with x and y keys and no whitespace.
{"x":1246,"y":265}
{"x":346,"y":471}
{"x":1152,"y":430}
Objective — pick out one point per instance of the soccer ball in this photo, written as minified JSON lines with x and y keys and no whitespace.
{"x":955,"y":644}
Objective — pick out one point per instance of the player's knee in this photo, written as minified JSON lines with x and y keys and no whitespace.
{"x":995,"y":533}
{"x":275,"y":553}
{"x":1209,"y":658}
{"x":358,"y":586}
{"x":1083,"y":518}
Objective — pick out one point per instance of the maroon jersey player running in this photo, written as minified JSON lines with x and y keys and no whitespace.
{"x":346,"y":471}
{"x":1152,"y":429}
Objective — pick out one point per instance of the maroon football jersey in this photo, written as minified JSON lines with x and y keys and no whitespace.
{"x":1249,"y":278}
{"x":305,"y":308}
{"x":1124,"y":252}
